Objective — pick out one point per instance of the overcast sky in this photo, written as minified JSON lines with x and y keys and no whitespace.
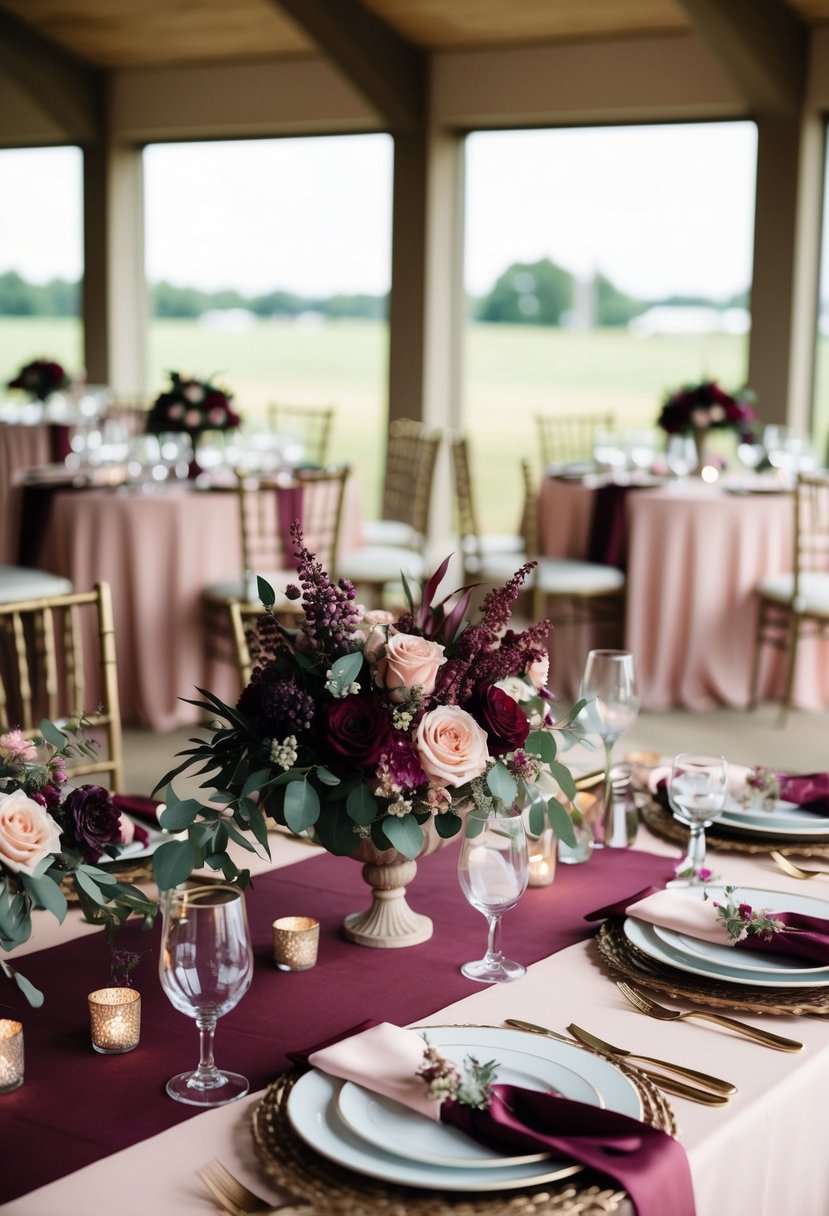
{"x":659,"y":210}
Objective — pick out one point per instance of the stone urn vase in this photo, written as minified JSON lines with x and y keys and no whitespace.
{"x":388,"y":922}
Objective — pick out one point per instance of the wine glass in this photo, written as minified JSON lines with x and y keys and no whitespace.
{"x":206,"y":966}
{"x":492,"y":870}
{"x":697,"y":792}
{"x":681,"y":455}
{"x":609,"y":682}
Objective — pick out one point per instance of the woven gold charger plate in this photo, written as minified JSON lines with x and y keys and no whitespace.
{"x":662,"y":823}
{"x":332,"y":1190}
{"x":623,"y":957}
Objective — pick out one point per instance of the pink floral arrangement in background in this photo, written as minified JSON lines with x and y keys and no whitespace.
{"x":364,"y":726}
{"x":40,"y":379}
{"x":51,"y":833}
{"x":703,"y":406}
{"x":193,"y":406}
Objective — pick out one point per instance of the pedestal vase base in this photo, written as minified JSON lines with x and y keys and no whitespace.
{"x":389,"y":922}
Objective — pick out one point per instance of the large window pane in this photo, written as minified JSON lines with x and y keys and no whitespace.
{"x":310,"y":217}
{"x":652,"y":223}
{"x":41,"y":240}
{"x":820,"y":421}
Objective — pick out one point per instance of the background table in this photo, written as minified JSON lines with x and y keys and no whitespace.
{"x":21,"y":447}
{"x":695,"y":554}
{"x":760,"y":1154}
{"x":158,"y":551}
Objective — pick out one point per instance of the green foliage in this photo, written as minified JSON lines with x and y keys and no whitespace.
{"x":535,"y":293}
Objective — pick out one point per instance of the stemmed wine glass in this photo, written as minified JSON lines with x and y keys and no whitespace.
{"x":609,"y":682}
{"x":697,"y":791}
{"x":493,"y":870}
{"x":206,"y":966}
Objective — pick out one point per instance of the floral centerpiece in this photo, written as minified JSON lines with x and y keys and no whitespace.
{"x":193,"y":406}
{"x":40,"y":379}
{"x":50,"y":835}
{"x":374,"y":734}
{"x":696,"y":409}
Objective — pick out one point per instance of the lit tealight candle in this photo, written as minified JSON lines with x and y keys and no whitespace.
{"x":295,"y":942}
{"x":115,"y":1019}
{"x":11,"y":1055}
{"x":542,"y":860}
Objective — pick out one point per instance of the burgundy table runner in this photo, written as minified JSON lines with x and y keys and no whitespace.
{"x":608,"y":541}
{"x":76,"y":1106}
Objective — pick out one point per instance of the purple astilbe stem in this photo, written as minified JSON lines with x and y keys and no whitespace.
{"x":330,"y":613}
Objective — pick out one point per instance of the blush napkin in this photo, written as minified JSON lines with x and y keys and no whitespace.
{"x":648,"y":1163}
{"x":802,"y":936}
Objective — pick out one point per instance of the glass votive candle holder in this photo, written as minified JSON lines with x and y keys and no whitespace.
{"x":11,"y":1055}
{"x":295,"y":942}
{"x":542,"y":859}
{"x":115,"y":1019}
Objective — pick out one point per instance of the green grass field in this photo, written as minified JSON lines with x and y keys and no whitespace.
{"x":510,"y":374}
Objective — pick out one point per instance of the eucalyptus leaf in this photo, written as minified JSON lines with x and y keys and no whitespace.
{"x":302,"y":806}
{"x":405,"y":834}
{"x":53,"y":735}
{"x":173,"y":862}
{"x":255,"y":782}
{"x":83,"y":882}
{"x":560,"y":822}
{"x":448,"y":825}
{"x":361,"y":806}
{"x":46,"y":894}
{"x":179,"y":813}
{"x":33,"y":995}
{"x":344,"y":671}
{"x":501,"y":783}
{"x":326,"y":776}
{"x":564,"y":777}
{"x":542,"y":744}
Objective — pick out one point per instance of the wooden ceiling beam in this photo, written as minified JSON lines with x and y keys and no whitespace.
{"x":59,"y":84}
{"x":389,"y":71}
{"x":762,"y":44}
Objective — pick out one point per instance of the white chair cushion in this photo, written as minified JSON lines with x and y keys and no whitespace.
{"x":20,"y":583}
{"x":380,"y":564}
{"x":813,"y":592}
{"x":391,"y":532}
{"x":560,"y":576}
{"x":493,"y":543}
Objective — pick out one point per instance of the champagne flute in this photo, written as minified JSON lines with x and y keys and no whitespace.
{"x":493,"y":870}
{"x":697,"y":791}
{"x":609,"y":682}
{"x":206,"y":966}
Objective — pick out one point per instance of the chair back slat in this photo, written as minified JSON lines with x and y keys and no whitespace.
{"x":410,"y":465}
{"x":568,"y":437}
{"x":43,"y":668}
{"x":308,"y":426}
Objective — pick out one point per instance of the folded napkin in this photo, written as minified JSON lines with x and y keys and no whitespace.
{"x":788,"y":934}
{"x":649,"y":1164}
{"x":807,"y":790}
{"x":139,"y":807}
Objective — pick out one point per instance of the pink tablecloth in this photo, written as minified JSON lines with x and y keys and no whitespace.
{"x":695,"y":555}
{"x":158,"y":551}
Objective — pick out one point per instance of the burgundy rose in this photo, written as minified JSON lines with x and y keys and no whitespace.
{"x":503,"y":720}
{"x":359,"y":729}
{"x":91,"y":820}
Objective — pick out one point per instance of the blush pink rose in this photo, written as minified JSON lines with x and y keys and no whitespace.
{"x":28,"y":833}
{"x":451,"y":746}
{"x":409,"y":662}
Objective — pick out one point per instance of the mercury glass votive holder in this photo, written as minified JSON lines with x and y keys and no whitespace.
{"x":295,"y":942}
{"x":115,"y":1019}
{"x":542,"y":859}
{"x":11,"y":1055}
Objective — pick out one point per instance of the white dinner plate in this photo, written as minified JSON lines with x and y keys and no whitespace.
{"x":786,"y":818}
{"x":135,"y":851}
{"x":705,"y":962}
{"x":314,"y":1114}
{"x":391,"y":1127}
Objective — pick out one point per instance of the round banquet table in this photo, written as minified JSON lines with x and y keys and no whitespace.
{"x":695,"y":555}
{"x":158,"y":551}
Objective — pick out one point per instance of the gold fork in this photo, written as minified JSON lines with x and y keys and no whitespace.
{"x":238,"y":1200}
{"x":788,"y":867}
{"x":654,"y":1010}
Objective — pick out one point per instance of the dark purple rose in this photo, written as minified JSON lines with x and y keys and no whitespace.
{"x":502,"y":718}
{"x":91,"y":820}
{"x":359,"y":729}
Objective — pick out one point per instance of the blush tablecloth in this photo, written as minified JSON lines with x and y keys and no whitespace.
{"x":695,"y":554}
{"x":158,"y":551}
{"x":760,"y":1154}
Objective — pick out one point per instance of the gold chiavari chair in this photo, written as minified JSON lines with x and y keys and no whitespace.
{"x":794,"y":606}
{"x":46,"y":659}
{"x":569,"y":437}
{"x":309,"y":427}
{"x":478,"y":549}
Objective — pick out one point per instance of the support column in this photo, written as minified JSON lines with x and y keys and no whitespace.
{"x":115,"y":300}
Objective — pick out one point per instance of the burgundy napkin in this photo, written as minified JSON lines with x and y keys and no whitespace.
{"x":809,"y":790}
{"x":138,"y":807}
{"x":801,"y":936}
{"x":649,"y":1164}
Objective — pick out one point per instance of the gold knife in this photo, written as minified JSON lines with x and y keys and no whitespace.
{"x":690,"y":1074}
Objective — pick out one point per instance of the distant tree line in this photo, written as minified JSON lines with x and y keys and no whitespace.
{"x":533,"y":293}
